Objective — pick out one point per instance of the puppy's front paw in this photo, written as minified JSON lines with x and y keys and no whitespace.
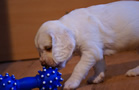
{"x":133,"y":72}
{"x":96,"y":78}
{"x":71,"y":84}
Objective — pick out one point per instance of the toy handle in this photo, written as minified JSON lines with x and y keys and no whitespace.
{"x":28,"y":83}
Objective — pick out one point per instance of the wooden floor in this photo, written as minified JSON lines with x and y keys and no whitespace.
{"x":117,"y":65}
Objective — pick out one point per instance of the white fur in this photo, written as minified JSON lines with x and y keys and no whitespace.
{"x":94,"y":31}
{"x":133,"y":72}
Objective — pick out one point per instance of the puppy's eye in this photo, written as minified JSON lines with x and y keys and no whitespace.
{"x":48,"y":48}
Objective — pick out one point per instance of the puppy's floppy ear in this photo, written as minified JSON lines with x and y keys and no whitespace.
{"x":63,"y":45}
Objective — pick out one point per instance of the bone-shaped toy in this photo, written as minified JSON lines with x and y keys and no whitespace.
{"x":47,"y":79}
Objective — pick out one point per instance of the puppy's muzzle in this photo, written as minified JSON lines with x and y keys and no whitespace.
{"x":48,"y":63}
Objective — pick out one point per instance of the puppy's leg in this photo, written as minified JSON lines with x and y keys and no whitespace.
{"x":80,"y":71}
{"x":99,"y":75}
{"x":133,"y":72}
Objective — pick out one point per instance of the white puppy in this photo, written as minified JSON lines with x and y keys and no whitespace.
{"x":94,"y":31}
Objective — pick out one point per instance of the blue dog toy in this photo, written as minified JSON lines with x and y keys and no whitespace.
{"x":48,"y":79}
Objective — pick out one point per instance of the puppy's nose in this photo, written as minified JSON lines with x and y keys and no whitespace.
{"x":43,"y":63}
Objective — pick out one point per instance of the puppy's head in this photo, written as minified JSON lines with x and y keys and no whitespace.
{"x":55,"y":44}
